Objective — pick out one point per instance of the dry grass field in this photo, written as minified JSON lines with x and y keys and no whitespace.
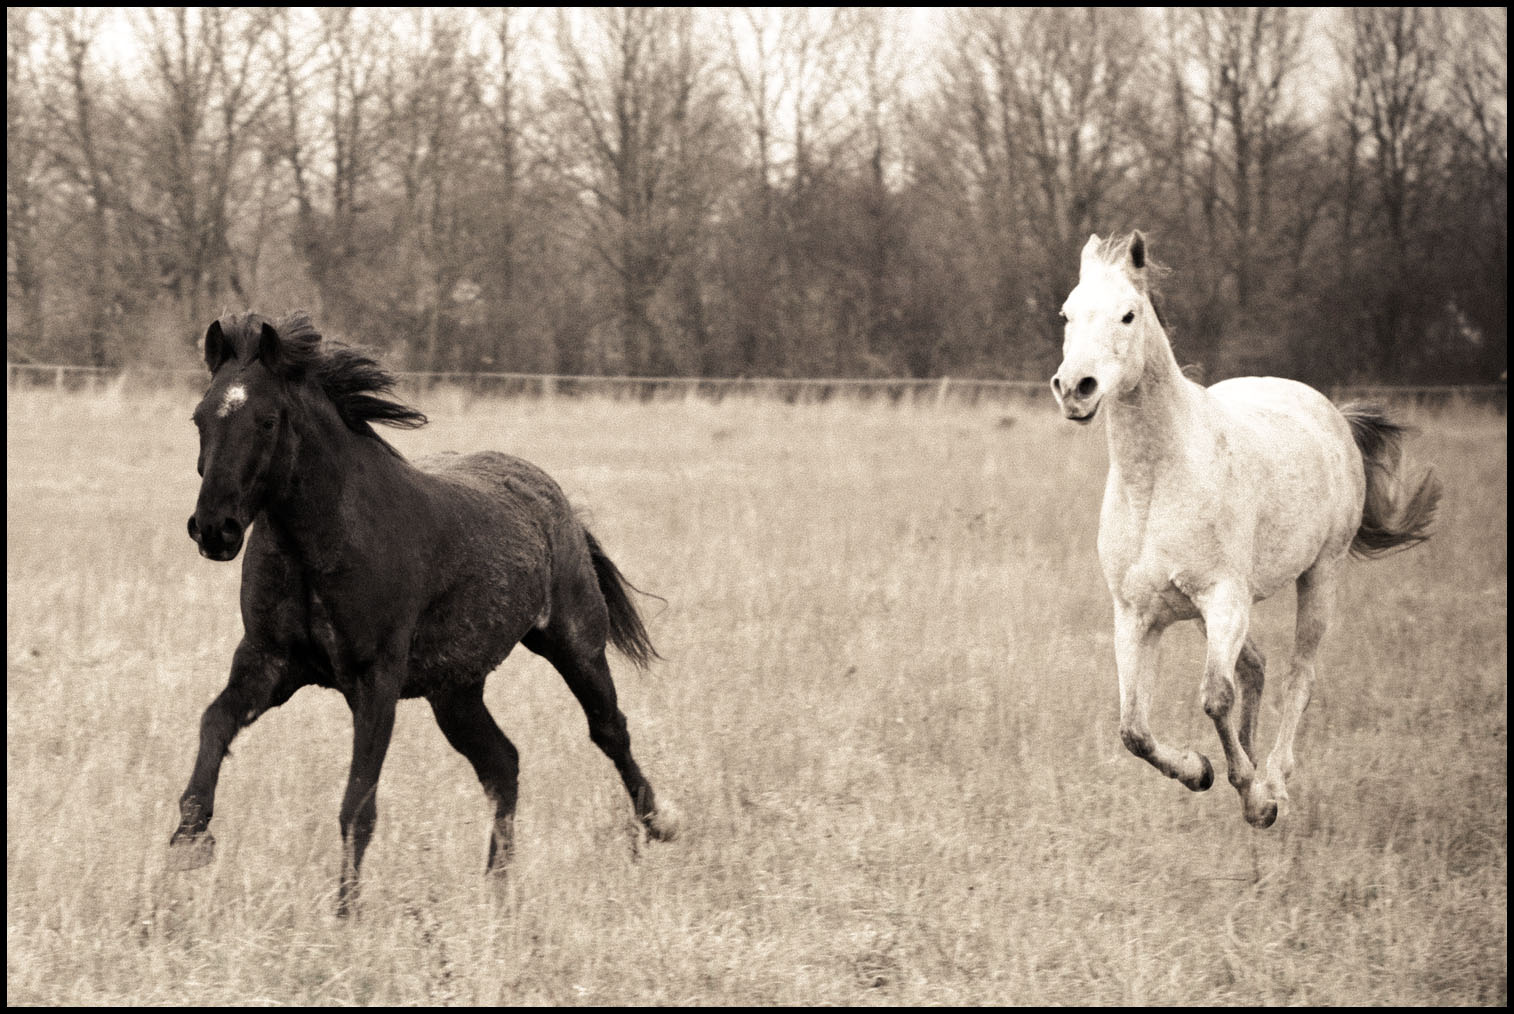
{"x":888,"y":711}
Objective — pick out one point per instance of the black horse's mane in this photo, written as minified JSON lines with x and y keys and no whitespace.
{"x":351,"y":377}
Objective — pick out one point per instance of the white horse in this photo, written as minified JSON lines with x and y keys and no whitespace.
{"x":1216,"y":498}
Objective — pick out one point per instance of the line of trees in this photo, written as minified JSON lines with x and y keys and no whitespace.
{"x":760,"y":191}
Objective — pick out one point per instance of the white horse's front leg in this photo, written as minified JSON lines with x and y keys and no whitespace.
{"x":1136,"y":639}
{"x":1316,"y":602}
{"x":1226,"y":612}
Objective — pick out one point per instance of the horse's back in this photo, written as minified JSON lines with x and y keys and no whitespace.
{"x":1286,"y":425}
{"x":501,"y":476}
{"x":1290,"y":402}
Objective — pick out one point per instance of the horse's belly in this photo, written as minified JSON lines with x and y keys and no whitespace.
{"x":456,"y":646}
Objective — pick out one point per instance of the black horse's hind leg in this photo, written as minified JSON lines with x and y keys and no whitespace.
{"x":471,"y":730}
{"x":588,"y":676}
{"x":259,"y":680}
{"x":373,"y":703}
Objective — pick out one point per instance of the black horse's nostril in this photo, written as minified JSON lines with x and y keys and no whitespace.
{"x":194,"y":529}
{"x":231,"y":531}
{"x":1086,"y":387}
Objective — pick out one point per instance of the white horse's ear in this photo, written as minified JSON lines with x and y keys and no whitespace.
{"x":1091,"y":248}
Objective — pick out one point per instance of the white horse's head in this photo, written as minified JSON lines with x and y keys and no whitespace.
{"x":1104,"y":345}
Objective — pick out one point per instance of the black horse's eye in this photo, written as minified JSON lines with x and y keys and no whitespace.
{"x":267,"y":424}
{"x":1127,"y":318}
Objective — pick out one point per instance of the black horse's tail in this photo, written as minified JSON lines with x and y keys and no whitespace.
{"x":626,"y":630}
{"x":1392,"y":517}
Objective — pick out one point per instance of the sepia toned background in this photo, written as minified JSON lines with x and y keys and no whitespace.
{"x":761,"y":191}
{"x":887,"y":706}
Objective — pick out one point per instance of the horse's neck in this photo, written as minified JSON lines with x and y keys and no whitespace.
{"x":338,"y":474}
{"x":1157,"y":420}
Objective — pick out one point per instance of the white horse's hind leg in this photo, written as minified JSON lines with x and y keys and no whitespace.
{"x":1136,"y":640}
{"x":1250,"y":672}
{"x":1316,"y":603}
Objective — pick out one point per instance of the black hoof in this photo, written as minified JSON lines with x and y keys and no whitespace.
{"x":190,"y":851}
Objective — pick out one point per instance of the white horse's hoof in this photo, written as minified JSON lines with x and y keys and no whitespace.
{"x":1205,"y":777}
{"x":1264,"y":818}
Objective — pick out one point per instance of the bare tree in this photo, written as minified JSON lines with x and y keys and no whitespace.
{"x":200,"y":121}
{"x":82,"y":144}
{"x":636,"y":119}
{"x":435,"y":136}
{"x":1478,"y":192}
{"x":1241,"y":60}
{"x":1396,"y":69}
{"x":1041,"y":108}
{"x":503,"y":105}
{"x":330,"y":133}
{"x":27,"y":175}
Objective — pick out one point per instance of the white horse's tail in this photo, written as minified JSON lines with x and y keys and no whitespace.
{"x":1392,"y":518}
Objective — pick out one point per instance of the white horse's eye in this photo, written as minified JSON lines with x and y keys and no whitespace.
{"x":1127,"y":318}
{"x":1062,"y":316}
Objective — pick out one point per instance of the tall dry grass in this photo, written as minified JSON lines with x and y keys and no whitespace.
{"x":888,"y":710}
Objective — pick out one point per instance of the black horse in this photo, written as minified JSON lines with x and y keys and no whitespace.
{"x":384,"y":579}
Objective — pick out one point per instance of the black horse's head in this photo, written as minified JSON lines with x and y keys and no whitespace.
{"x":279,"y":398}
{"x":246,"y":437}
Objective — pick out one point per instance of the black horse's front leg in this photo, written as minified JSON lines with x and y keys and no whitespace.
{"x":373,"y":703}
{"x":259,"y":681}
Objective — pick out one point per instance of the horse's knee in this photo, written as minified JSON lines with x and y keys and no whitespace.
{"x":499,"y":767}
{"x":220,"y":721}
{"x":1301,"y":683}
{"x":1219,"y":695}
{"x":1137,"y":741}
{"x":503,"y":790}
{"x":609,"y":733}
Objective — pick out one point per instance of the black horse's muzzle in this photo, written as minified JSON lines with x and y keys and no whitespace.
{"x":219,"y":540}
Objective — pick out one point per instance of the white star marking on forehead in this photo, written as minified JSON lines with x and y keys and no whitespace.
{"x":236,"y":395}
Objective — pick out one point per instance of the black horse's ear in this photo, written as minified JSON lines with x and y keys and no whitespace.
{"x":1137,"y":250}
{"x":268,"y":346}
{"x":217,"y":348}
